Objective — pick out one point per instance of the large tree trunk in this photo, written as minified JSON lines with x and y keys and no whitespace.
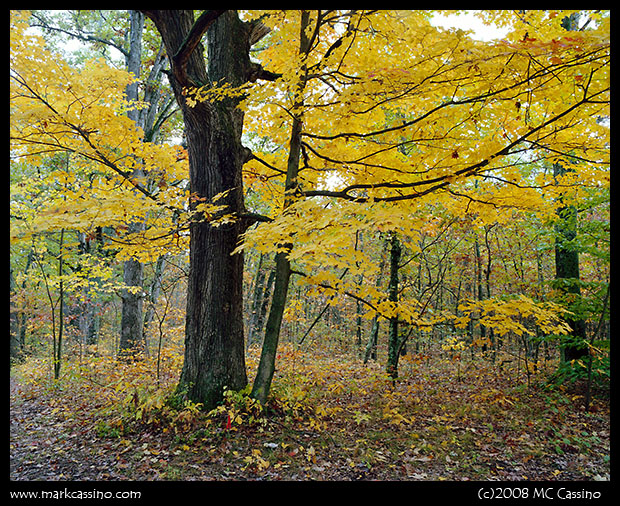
{"x":131,"y":310}
{"x":214,"y":341}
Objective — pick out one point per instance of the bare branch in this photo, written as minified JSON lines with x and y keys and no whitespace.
{"x":76,"y":35}
{"x":194,"y":36}
{"x":258,"y":72}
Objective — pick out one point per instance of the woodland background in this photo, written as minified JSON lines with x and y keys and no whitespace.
{"x":420,"y":221}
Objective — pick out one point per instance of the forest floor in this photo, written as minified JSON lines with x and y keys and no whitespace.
{"x":331,"y":418}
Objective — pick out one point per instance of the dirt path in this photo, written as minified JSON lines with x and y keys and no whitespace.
{"x":45,"y":446}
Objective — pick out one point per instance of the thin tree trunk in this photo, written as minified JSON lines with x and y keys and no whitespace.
{"x":133,"y":271}
{"x":154,"y":292}
{"x":18,"y":341}
{"x":14,"y":350}
{"x":480,"y":294}
{"x":255,"y":303}
{"x":24,"y":315}
{"x":566,"y":254}
{"x":152,"y":93}
{"x":567,"y":274}
{"x":61,"y":307}
{"x":262,"y":312}
{"x":266,"y":366}
{"x":371,"y":346}
{"x":322,"y":312}
{"x":596,"y":334}
{"x":393,"y":341}
{"x":359,"y":246}
{"x":84,"y":314}
{"x":487,"y":243}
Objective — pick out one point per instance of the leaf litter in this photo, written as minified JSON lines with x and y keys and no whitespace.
{"x":329,"y":418}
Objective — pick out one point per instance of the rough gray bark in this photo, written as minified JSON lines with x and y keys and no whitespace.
{"x":131,"y":340}
{"x":133,"y":58}
{"x":133,"y":323}
{"x":214,"y":341}
{"x":152,"y":92}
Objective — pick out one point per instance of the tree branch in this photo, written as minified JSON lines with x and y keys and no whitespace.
{"x":258,"y":30}
{"x":543,"y":72}
{"x":194,"y":36}
{"x":258,"y":72}
{"x":250,"y":218}
{"x":79,"y":36}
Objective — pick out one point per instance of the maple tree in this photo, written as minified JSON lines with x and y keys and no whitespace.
{"x":437,"y":117}
{"x":81,"y":111}
{"x":81,"y":118}
{"x":314,"y":136}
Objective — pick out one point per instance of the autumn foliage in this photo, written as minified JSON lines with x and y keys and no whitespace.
{"x":409,"y":192}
